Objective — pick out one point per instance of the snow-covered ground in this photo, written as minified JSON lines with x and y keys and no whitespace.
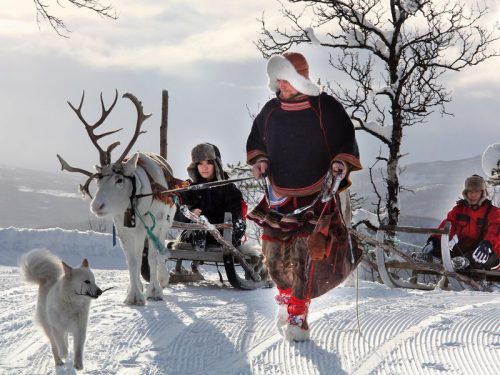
{"x":211,"y":328}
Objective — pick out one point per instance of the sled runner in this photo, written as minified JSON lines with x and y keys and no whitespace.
{"x":244,"y":269}
{"x":390,"y":261}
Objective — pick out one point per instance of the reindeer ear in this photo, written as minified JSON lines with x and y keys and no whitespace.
{"x":67,"y":270}
{"x":130,"y":165}
{"x":98,"y":168}
{"x":85,"y":263}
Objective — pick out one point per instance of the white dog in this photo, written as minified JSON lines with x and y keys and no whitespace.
{"x":63,"y":300}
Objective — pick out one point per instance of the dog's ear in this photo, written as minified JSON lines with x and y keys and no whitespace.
{"x":67,"y":270}
{"x":85,"y":263}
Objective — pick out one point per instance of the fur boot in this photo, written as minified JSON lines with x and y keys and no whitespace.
{"x":296,"y":327}
{"x":282,"y":299}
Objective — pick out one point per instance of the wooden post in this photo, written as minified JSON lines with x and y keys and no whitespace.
{"x":164,"y":124}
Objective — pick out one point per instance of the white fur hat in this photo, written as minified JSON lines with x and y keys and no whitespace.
{"x":292,"y":67}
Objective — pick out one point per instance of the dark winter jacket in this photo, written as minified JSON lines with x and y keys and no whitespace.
{"x":301,"y":140}
{"x":214,"y":202}
{"x":466,"y":223}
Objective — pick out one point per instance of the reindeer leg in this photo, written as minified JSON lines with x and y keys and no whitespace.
{"x":133,"y":241}
{"x":154,"y":291}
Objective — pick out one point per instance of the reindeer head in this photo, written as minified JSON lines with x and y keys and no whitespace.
{"x":115,"y":184}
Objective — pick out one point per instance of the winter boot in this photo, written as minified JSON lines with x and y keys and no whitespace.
{"x":296,"y":328}
{"x":282,"y":299}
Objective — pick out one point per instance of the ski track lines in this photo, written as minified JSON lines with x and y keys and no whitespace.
{"x":448,"y":327}
{"x":22,"y":345}
{"x":211,"y":330}
{"x":271,"y":354}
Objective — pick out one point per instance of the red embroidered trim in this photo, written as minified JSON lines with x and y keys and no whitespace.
{"x":295,"y":106}
{"x":254,"y":153}
{"x":352,"y":160}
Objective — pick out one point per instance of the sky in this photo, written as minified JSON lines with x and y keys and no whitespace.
{"x":204,"y":54}
{"x":211,"y":328}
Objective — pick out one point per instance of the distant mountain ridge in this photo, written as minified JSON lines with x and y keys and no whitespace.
{"x":36,"y":199}
{"x":433,"y":187}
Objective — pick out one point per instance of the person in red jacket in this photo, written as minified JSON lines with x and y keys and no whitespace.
{"x":475,"y":229}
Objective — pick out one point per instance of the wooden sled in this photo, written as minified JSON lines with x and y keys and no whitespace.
{"x":450,"y":279}
{"x":243,"y":270}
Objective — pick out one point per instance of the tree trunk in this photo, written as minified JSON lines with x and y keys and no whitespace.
{"x":392,"y":203}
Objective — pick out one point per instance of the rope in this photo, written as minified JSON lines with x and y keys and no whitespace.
{"x":162,"y":250}
{"x":357,"y":301}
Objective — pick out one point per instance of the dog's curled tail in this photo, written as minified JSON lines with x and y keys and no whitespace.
{"x":40,"y":266}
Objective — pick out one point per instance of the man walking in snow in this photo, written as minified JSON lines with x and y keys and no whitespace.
{"x":297,"y":141}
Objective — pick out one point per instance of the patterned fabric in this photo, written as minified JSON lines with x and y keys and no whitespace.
{"x":290,"y":266}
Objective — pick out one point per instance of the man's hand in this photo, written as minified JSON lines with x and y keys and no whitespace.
{"x":259,"y":169}
{"x":339,"y":169}
{"x":196,"y":212}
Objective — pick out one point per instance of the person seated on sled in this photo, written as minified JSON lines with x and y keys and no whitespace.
{"x":298,"y":140}
{"x":213,"y":203}
{"x":475,"y":229}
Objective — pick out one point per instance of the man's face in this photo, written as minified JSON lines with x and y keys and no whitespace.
{"x":287,"y":91}
{"x":474,"y":196}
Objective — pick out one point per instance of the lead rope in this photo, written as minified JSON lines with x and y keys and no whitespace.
{"x":162,"y":250}
{"x":357,"y":302}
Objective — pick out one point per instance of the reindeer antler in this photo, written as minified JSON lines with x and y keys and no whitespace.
{"x":141,"y":117}
{"x":84,"y":189}
{"x":104,"y":156}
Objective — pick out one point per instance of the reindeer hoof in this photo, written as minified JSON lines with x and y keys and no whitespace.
{"x":135,"y":301}
{"x":155,"y":298}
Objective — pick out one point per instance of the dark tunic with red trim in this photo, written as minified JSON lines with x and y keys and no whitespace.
{"x":301,"y":139}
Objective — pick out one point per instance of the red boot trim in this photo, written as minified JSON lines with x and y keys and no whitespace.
{"x":283,"y":296}
{"x":285,"y":292}
{"x":297,"y":306}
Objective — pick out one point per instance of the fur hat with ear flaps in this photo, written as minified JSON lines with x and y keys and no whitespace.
{"x":292,"y":67}
{"x":475,"y":183}
{"x":205,"y":151}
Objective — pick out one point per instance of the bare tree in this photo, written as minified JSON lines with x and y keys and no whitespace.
{"x":43,"y":12}
{"x":402,"y":46}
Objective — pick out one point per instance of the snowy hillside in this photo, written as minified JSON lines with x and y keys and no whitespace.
{"x":210,"y":328}
{"x":434,"y":187}
{"x":34,"y":199}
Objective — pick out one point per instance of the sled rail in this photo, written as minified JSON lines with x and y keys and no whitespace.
{"x":391,"y":228}
{"x":256,"y":276}
{"x":194,"y":226}
{"x":384,"y":266}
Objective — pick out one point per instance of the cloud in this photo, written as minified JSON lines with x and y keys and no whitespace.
{"x":168,"y":37}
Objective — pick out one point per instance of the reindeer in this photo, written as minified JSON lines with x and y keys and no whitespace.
{"x":126,"y":190}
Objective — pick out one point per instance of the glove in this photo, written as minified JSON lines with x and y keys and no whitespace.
{"x":432,"y":245}
{"x":428,"y":248}
{"x":482,"y":252}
